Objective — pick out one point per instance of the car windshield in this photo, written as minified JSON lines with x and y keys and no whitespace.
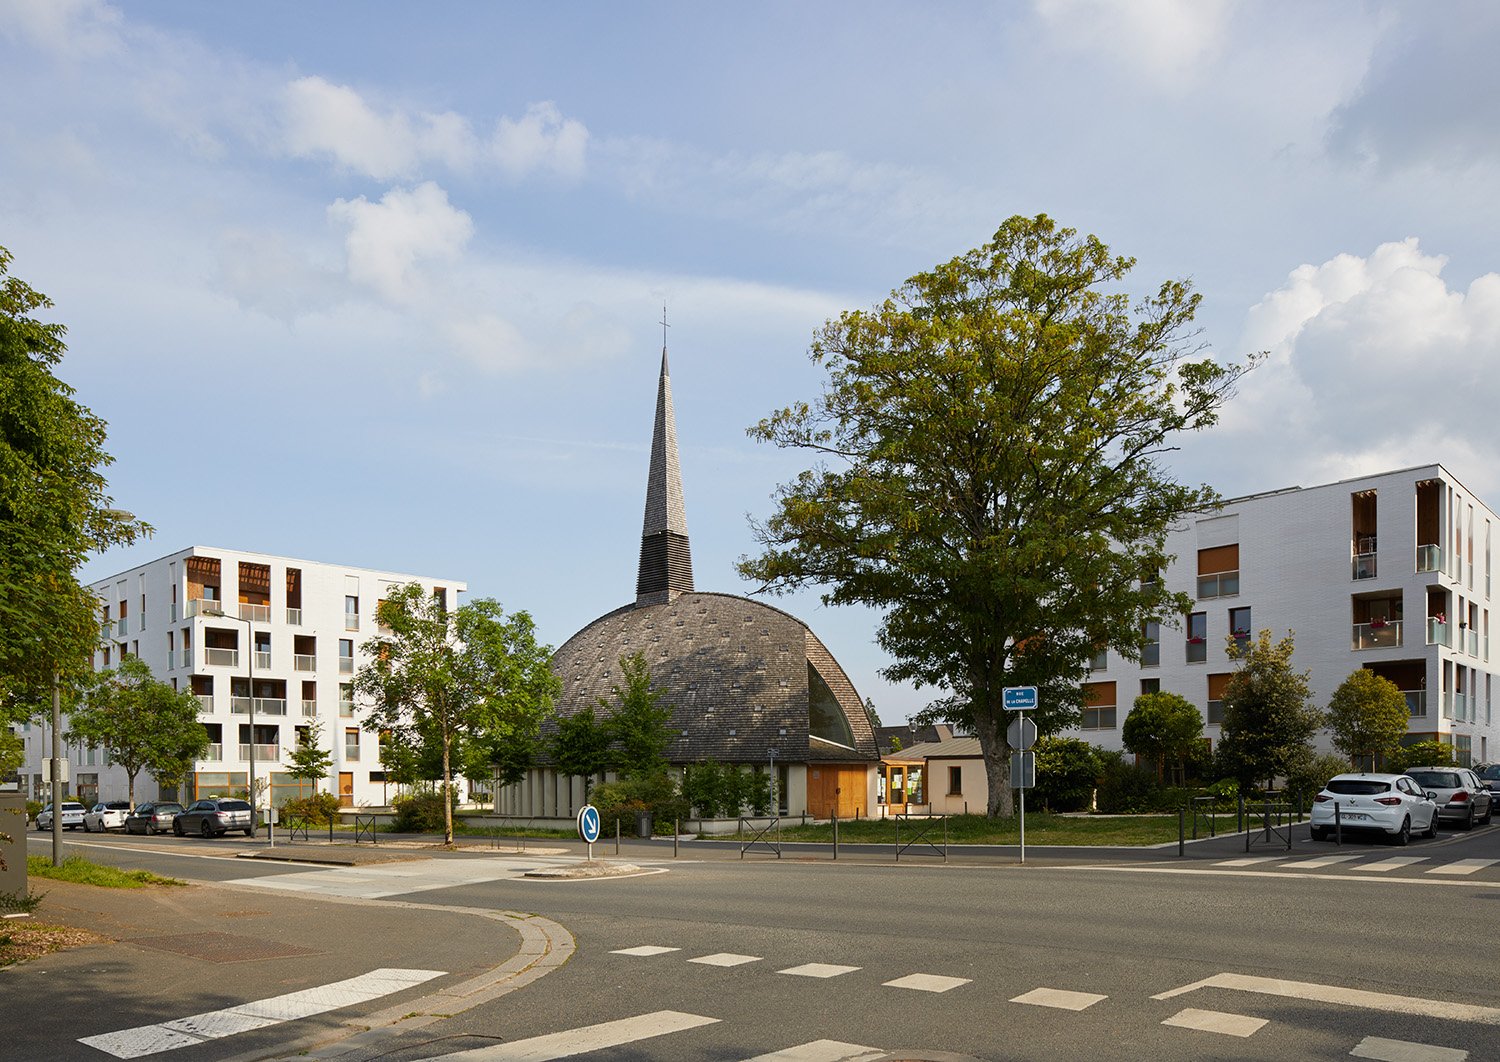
{"x":1358,"y":786}
{"x":1491,"y":773}
{"x":117,"y":805}
{"x":169,"y":807}
{"x":1437,"y":779}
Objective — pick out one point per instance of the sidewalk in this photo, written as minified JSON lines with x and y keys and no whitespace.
{"x":174,"y":952}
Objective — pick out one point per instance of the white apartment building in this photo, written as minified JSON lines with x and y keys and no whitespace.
{"x":1390,"y":572}
{"x":269,"y":644}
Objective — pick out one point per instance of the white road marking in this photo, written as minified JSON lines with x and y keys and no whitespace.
{"x":927,"y":982}
{"x":1351,"y":997}
{"x":580,"y":1041}
{"x":1216,"y":1022}
{"x":1248,"y":861}
{"x":397,"y":879}
{"x":821,"y":1051}
{"x":818,"y":969}
{"x":1393,"y":863}
{"x":1463,"y":866}
{"x":725,"y":958}
{"x":1320,"y":861}
{"x":1056,"y":997}
{"x":1303,"y":875}
{"x":198,"y":1028}
{"x":1403,"y":1051}
{"x":645,"y":949}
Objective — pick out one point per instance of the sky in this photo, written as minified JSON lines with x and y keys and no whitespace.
{"x":379,"y":283}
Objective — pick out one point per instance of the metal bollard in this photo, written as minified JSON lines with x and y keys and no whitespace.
{"x":1338,"y":825}
{"x":835,"y":835}
{"x":1182,"y":830}
{"x":617,"y":835}
{"x":676,"y":829}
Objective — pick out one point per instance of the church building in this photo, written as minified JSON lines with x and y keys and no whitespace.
{"x":748,"y":684}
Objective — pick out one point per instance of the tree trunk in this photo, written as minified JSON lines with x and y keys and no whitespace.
{"x":996,"y":751}
{"x":447,"y":800}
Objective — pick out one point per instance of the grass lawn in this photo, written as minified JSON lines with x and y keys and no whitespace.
{"x":83,"y":872}
{"x":1041,"y":829}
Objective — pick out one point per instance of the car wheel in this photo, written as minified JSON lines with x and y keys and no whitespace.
{"x":205,"y":829}
{"x":1402,"y":837}
{"x":177,"y":828}
{"x":1468,"y":822}
{"x":86,"y":827}
{"x":1431,"y":830}
{"x":1489,"y":813}
{"x":39,"y":827}
{"x":1320,"y":833}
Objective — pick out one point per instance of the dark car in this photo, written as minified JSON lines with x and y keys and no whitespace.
{"x":152,"y":817}
{"x":1489,"y":774}
{"x":215,"y":817}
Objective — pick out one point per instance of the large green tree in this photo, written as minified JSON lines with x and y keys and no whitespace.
{"x":309,"y":760}
{"x":139,"y":720}
{"x":474,"y":675}
{"x":53,"y":507}
{"x":1368,"y":715}
{"x":581,"y":746}
{"x":989,"y":444}
{"x":638,"y":721}
{"x":1163,"y":727}
{"x":1269,"y":717}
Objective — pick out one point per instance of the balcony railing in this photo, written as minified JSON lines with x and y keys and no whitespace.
{"x":1469,"y":574}
{"x":1151,"y":655}
{"x":123,"y":627}
{"x":1377,"y":634}
{"x":203,"y":606}
{"x":1429,"y":558}
{"x":346,"y":665}
{"x":351,"y":621}
{"x":1416,"y":703}
{"x":309,"y":708}
{"x":255,"y":613}
{"x":1447,"y":704}
{"x":185,"y":658}
{"x":1099,"y":661}
{"x":351,"y":753}
{"x":294,"y":617}
{"x":263,"y":705}
{"x":263,"y":660}
{"x":346,"y":709}
{"x":262,"y":752}
{"x":207,"y":702}
{"x":305,"y":662}
{"x":1197,"y":651}
{"x":215,"y":753}
{"x":1222,"y":584}
{"x":1437,"y":632}
{"x":1460,"y":706}
{"x":222,"y":657}
{"x":1365,"y":566}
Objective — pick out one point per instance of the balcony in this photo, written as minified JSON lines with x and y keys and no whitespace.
{"x":205,"y":606}
{"x":255,"y":613}
{"x":1151,"y":655}
{"x":1447,"y":704}
{"x":221,"y":657}
{"x":1197,"y":650}
{"x":1429,"y":558}
{"x":1377,"y":634}
{"x":262,"y":752}
{"x":1437,"y":632}
{"x":351,"y":753}
{"x":1099,"y":661}
{"x":185,"y":658}
{"x":1223,"y":584}
{"x":1416,"y":703}
{"x":346,"y":665}
{"x":305,"y":662}
{"x":351,"y":621}
{"x":263,"y":705}
{"x":263,"y":660}
{"x":123,"y":627}
{"x":1365,"y":566}
{"x":206,"y":700}
{"x":294,"y":617}
{"x":346,"y":709}
{"x":1460,"y":706}
{"x":309,"y":708}
{"x":215,"y":753}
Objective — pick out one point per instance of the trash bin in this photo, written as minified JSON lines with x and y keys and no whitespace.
{"x":643,"y":824}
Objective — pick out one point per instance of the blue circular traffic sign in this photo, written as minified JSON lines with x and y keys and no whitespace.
{"x":588,"y":823}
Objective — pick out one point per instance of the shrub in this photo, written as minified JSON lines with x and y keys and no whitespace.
{"x":33,"y":809}
{"x":620,"y":802}
{"x":420,"y":812}
{"x":320,"y":808}
{"x":1305,"y":779}
{"x":703,"y":788}
{"x":1125,"y":788}
{"x":1420,"y":754}
{"x":1066,"y":772}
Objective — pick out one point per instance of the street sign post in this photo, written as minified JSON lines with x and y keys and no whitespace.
{"x":1021,"y":734}
{"x":588,"y":826}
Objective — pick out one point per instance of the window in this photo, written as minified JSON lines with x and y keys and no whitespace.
{"x":1219,"y":571}
{"x":1151,"y":651}
{"x":955,"y":781}
{"x":1150,"y":685}
{"x":1197,"y":637}
{"x":346,"y":699}
{"x":346,"y":656}
{"x":351,"y":743}
{"x":1099,"y":661}
{"x":1239,"y":624}
{"x":1216,"y":685}
{"x":1098,"y":706}
{"x":351,"y":613}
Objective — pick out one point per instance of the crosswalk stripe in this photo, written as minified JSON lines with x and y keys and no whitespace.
{"x":1309,"y":991}
{"x":1248,"y":861}
{"x":644,"y":950}
{"x":1215,"y":1021}
{"x":821,"y":1051}
{"x":1057,"y":997}
{"x":1464,"y":866}
{"x":927,"y":982}
{"x":725,"y":958}
{"x":580,"y":1041}
{"x":1393,"y":863}
{"x":818,"y":969}
{"x":1403,"y":1051}
{"x":1321,"y":861}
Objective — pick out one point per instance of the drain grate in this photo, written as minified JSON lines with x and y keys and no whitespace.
{"x":222,"y":947}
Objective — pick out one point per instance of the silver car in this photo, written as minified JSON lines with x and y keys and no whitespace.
{"x":214,"y":817}
{"x":1461,"y":797}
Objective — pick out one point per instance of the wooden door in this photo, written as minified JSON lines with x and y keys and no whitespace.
{"x":835,"y":787}
{"x":346,"y":789}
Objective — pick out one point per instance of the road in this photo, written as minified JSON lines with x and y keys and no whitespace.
{"x":1316,"y":952}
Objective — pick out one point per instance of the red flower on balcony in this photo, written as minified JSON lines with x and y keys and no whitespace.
{"x":1376,"y":624}
{"x":1195,"y":641}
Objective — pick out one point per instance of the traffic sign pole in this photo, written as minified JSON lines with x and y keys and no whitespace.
{"x":1021,"y":699}
{"x":1022,"y":717}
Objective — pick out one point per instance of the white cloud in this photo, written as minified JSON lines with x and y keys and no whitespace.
{"x":385,"y":241}
{"x":540,"y":140}
{"x":1165,"y":40}
{"x":76,"y":29}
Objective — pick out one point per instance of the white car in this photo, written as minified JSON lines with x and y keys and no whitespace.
{"x":106,"y":816}
{"x":1391,"y":803}
{"x":72,"y":816}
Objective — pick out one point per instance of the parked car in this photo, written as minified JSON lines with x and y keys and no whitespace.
{"x":1391,"y":803}
{"x":153,"y":817}
{"x":215,"y":817}
{"x":109,"y":815}
{"x":1461,"y":797}
{"x":1489,"y":774}
{"x":72,"y":816}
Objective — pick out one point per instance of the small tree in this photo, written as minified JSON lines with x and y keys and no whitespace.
{"x":1067,"y":769}
{"x":1423,"y":754}
{"x":309,"y":760}
{"x":580,"y":747}
{"x":1163,"y":727}
{"x":1368,"y":716}
{"x":138,"y":720}
{"x":639,"y":722}
{"x":1269,"y":719}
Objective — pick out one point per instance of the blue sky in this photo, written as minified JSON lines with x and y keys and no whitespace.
{"x":377,"y":283}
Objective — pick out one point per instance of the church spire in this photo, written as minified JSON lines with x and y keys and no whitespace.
{"x":666,"y":568}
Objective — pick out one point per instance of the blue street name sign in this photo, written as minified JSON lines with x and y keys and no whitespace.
{"x":1019,"y":698}
{"x":588,"y":823}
